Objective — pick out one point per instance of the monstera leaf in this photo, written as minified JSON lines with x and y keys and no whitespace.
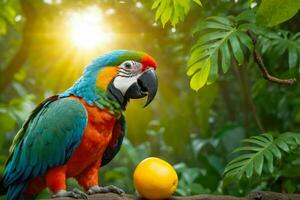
{"x":283,"y":42}
{"x":263,"y":149}
{"x":220,"y":39}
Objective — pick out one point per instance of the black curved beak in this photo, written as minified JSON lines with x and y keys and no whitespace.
{"x":148,"y":82}
{"x":146,"y":85}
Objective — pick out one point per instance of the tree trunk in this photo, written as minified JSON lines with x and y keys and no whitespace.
{"x":7,"y":74}
{"x":251,"y":196}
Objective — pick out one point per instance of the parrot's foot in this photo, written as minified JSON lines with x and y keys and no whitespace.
{"x":111,"y":188}
{"x":75,"y":193}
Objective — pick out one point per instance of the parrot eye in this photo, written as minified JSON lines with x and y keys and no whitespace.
{"x":131,"y":67}
{"x":127,"y":65}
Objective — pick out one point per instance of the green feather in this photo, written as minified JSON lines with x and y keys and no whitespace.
{"x":104,"y":102}
{"x":131,"y":55}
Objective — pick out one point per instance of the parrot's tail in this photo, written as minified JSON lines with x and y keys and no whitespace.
{"x":14,"y":192}
{"x":3,"y":190}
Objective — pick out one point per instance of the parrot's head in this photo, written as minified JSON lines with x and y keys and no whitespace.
{"x":125,"y":75}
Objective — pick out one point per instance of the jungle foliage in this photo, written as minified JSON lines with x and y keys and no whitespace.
{"x":234,"y":116}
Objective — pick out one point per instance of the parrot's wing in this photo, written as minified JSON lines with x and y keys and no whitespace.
{"x":48,"y":138}
{"x":116,"y":141}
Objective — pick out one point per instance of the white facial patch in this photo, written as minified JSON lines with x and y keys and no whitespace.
{"x":123,"y":83}
{"x":129,"y":72}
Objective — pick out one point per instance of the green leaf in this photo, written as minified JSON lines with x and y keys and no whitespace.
{"x":269,"y":156}
{"x":198,"y":2}
{"x":212,"y":43}
{"x":236,"y":49}
{"x":276,"y":152}
{"x":166,"y":16}
{"x":249,"y":170}
{"x":254,"y":141}
{"x":265,"y":44}
{"x":294,"y":136}
{"x":179,"y":10}
{"x":230,"y":178}
{"x":293,"y":57}
{"x":264,"y":148}
{"x":223,"y":20}
{"x":172,"y":10}
{"x":161,"y":8}
{"x":185,"y":4}
{"x":262,"y":138}
{"x":241,"y":157}
{"x":245,"y":40}
{"x":204,"y":25}
{"x":190,"y":175}
{"x":247,"y":26}
{"x":236,"y":165}
{"x":155,"y":4}
{"x":194,"y":68}
{"x":196,"y":56}
{"x":247,"y":148}
{"x":258,"y":163}
{"x":270,"y":137}
{"x":247,"y":15}
{"x":225,"y":57}
{"x":273,"y":12}
{"x":175,"y":17}
{"x":282,"y":145}
{"x":200,"y":78}
{"x":279,"y":48}
{"x":210,"y":36}
{"x":213,"y":73}
{"x":296,"y":36}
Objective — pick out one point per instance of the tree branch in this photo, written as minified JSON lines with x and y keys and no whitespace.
{"x":251,"y":196}
{"x":259,"y":61}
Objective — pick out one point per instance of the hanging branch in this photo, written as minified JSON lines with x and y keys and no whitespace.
{"x":259,"y":61}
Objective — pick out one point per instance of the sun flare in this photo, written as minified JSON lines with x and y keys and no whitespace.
{"x":87,"y":29}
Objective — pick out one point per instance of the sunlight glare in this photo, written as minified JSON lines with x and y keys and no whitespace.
{"x":88,"y":29}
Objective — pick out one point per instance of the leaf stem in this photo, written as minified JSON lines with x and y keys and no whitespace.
{"x":259,"y":61}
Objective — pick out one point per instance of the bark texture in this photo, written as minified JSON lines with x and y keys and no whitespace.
{"x":251,"y":196}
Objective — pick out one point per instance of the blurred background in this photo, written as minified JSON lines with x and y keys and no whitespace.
{"x":45,"y":45}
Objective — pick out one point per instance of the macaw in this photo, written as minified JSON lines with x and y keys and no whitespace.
{"x":74,"y":133}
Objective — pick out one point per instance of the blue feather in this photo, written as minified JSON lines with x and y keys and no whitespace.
{"x":15,"y":191}
{"x":62,"y":122}
{"x":82,"y":88}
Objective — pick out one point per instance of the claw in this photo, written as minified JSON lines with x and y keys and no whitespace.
{"x":75,"y":193}
{"x":111,"y":188}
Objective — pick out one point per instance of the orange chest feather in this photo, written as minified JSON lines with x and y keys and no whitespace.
{"x":96,"y":138}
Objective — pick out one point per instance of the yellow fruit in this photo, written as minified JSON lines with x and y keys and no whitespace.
{"x":154,"y":178}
